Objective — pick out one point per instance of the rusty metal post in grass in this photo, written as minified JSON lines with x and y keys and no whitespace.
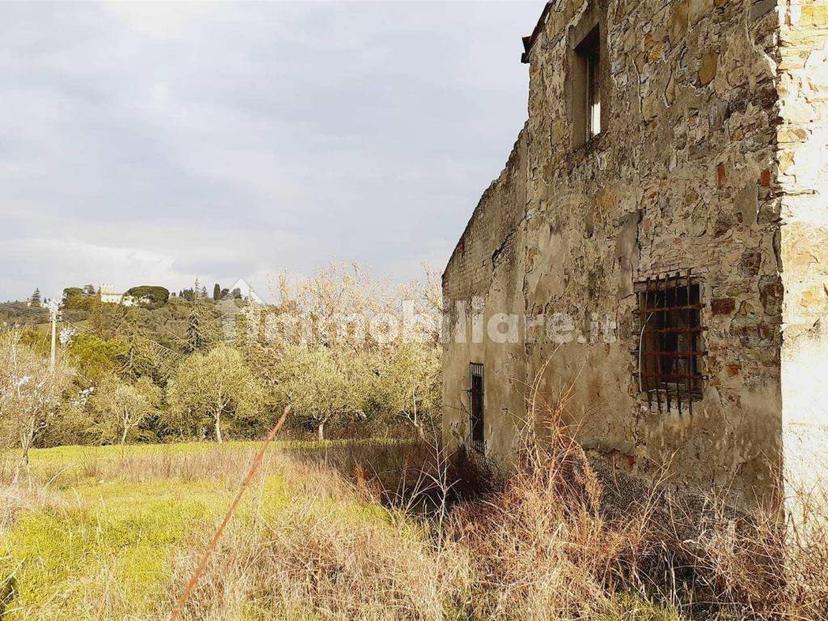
{"x":205,"y":558}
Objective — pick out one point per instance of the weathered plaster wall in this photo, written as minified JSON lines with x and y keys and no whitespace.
{"x":683,"y":176}
{"x":485,"y":274}
{"x":803,"y":187}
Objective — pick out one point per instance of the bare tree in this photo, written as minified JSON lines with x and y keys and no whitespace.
{"x":30,"y":392}
{"x":330,"y":361}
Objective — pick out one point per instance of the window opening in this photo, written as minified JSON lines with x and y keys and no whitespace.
{"x":476,"y":392}
{"x":669,"y":348}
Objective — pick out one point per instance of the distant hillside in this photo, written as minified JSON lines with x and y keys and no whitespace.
{"x":20,"y":313}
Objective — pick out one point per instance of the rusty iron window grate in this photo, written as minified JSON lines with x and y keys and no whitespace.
{"x":476,"y":426}
{"x":670,"y":341}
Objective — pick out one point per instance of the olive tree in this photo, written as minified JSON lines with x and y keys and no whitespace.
{"x":405,"y":384}
{"x":213,"y":385}
{"x":120,"y":407}
{"x":319,"y":385}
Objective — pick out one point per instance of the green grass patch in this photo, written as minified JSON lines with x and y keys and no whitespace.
{"x":633,"y":607}
{"x":106,"y":545}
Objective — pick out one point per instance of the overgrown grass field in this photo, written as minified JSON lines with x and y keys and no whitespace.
{"x":97,"y":532}
{"x":116,"y":532}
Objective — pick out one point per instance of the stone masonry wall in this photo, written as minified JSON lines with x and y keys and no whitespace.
{"x":485,"y":274}
{"x":679,"y":179}
{"x":682,"y":176}
{"x":802,"y":184}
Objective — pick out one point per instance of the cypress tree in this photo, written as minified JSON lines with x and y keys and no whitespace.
{"x":195,"y":331}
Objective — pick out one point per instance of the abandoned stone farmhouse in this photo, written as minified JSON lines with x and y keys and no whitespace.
{"x":657,"y":244}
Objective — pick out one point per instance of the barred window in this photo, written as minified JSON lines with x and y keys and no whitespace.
{"x":670,"y":344}
{"x":476,"y":427}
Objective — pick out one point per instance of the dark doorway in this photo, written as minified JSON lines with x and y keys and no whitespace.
{"x":476,"y":392}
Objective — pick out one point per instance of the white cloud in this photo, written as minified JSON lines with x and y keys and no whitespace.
{"x":153,"y":142}
{"x":162,"y":19}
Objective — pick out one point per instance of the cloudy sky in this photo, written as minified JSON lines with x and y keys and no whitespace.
{"x":153,"y":143}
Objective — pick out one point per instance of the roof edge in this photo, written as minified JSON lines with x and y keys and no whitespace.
{"x":529,"y":40}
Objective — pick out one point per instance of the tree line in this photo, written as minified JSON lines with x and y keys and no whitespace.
{"x":196,"y":367}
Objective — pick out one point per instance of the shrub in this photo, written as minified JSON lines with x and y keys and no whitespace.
{"x":541,"y":548}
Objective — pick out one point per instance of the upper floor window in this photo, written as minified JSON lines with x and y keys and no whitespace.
{"x":587,"y":83}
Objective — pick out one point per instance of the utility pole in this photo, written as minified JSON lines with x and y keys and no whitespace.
{"x":54,"y":309}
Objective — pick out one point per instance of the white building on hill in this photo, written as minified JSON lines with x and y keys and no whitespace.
{"x":110,"y":295}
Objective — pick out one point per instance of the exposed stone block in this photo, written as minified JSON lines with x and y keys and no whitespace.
{"x":721,"y":174}
{"x":750,"y":263}
{"x":723,"y":306}
{"x":771,"y":292}
{"x":708,"y":68}
{"x":747,"y":204}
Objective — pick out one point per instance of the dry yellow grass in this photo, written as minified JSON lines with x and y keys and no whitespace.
{"x":116,"y":535}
